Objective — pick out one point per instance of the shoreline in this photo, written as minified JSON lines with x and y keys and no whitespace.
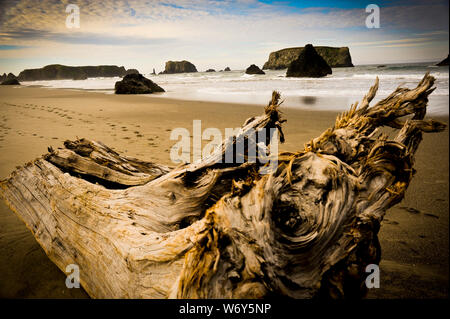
{"x":157,"y":96}
{"x":414,"y":235}
{"x":335,"y":92}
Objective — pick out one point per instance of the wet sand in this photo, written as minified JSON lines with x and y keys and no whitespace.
{"x":414,"y":235}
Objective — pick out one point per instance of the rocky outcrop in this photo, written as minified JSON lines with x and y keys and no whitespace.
{"x":443,"y":62}
{"x":253,"y":69}
{"x":136,"y":84}
{"x":227,"y":69}
{"x":132,"y":71}
{"x":335,"y":57}
{"x":63,"y":72}
{"x":80,"y":77}
{"x":308,"y":64}
{"x":210,"y":70}
{"x":10,"y":82}
{"x":9,"y":76}
{"x":179,"y":67}
{"x":153,"y":73}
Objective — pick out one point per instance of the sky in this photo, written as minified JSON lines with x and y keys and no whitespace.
{"x":215,"y":34}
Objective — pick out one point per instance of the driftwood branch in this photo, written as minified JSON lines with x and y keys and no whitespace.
{"x":224,"y":230}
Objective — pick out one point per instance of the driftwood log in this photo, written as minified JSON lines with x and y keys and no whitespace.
{"x":215,"y":230}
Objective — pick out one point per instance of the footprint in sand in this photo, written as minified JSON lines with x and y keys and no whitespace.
{"x":410,"y":210}
{"x":404,"y":243}
{"x":390,"y":222}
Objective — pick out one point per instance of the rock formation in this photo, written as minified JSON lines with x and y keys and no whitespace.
{"x":308,"y":64}
{"x":443,"y":62}
{"x":227,"y":69}
{"x":132,"y":71}
{"x":179,"y":67}
{"x":136,"y":84}
{"x":254,"y":69}
{"x":11,"y":81}
{"x":80,"y":77}
{"x":335,"y":57}
{"x":153,"y":73}
{"x":210,"y":70}
{"x":9,"y":76}
{"x":63,"y":72}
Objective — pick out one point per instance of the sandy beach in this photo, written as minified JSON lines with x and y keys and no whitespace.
{"x":414,"y":234}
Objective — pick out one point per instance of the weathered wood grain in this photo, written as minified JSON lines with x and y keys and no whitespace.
{"x":225,"y":230}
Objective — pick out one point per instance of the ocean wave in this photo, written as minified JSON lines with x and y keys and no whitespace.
{"x":238,"y":87}
{"x":417,"y":76}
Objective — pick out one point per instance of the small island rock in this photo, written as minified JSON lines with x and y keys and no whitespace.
{"x":308,"y":64}
{"x":136,"y":84}
{"x":253,"y":69}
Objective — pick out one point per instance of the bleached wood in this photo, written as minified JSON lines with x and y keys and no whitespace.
{"x":224,"y":230}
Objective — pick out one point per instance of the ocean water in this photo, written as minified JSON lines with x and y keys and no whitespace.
{"x":333,"y":92}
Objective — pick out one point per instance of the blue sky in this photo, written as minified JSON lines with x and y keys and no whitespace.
{"x":214,"y":34}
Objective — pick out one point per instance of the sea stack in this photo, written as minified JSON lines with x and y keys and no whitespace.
{"x":179,"y":67}
{"x":308,"y":64}
{"x":254,"y":69}
{"x":443,"y":62}
{"x":64,"y":72}
{"x":210,"y":70}
{"x":10,"y":82}
{"x":9,"y":79}
{"x":227,"y":69}
{"x":336,"y":57}
{"x":132,"y":71}
{"x":136,"y":84}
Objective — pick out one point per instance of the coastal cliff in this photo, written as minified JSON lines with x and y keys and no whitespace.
{"x":63,"y":72}
{"x":335,"y":57}
{"x":179,"y":67}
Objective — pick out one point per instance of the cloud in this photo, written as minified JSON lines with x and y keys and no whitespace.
{"x":81,"y":38}
{"x":12,"y":47}
{"x":400,"y":41}
{"x":234,"y":32}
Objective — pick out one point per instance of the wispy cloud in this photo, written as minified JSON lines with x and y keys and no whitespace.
{"x":214,"y":33}
{"x":399,"y":41}
{"x":11,"y":47}
{"x":81,"y":38}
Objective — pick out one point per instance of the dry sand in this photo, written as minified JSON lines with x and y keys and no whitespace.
{"x":414,"y":235}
